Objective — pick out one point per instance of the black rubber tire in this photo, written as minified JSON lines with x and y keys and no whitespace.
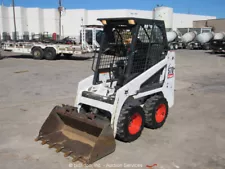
{"x":126,"y":113}
{"x":206,"y":47}
{"x":175,"y":47}
{"x":150,"y":108}
{"x":50,"y":53}
{"x":37,"y":53}
{"x":189,"y":47}
{"x":58,"y":55}
{"x":171,"y":47}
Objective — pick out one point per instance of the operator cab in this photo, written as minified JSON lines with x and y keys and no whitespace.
{"x":129,"y":46}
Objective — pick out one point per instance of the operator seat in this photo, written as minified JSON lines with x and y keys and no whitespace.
{"x":138,"y":60}
{"x":145,"y":57}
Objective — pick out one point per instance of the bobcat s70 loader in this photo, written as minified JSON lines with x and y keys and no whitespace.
{"x":132,"y":87}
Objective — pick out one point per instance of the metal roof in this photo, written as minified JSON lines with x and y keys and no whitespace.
{"x":123,"y":20}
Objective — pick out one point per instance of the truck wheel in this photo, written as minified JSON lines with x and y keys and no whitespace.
{"x":175,"y":47}
{"x":50,"y":53}
{"x":156,"y":112}
{"x":191,"y":47}
{"x":206,"y":47}
{"x":37,"y":53}
{"x":171,"y":47}
{"x":130,"y":123}
{"x":58,"y":56}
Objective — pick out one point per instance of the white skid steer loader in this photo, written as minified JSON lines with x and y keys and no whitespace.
{"x":132,"y":87}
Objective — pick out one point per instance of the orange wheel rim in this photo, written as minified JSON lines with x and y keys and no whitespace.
{"x":160,"y":113}
{"x":135,"y":124}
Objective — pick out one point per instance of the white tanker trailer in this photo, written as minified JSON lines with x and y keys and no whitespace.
{"x":202,"y":41}
{"x":218,"y":43}
{"x":219,"y":36}
{"x":188,"y":38}
{"x":174,"y":40}
{"x":171,"y":36}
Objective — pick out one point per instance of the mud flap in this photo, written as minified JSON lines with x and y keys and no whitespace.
{"x":76,"y":135}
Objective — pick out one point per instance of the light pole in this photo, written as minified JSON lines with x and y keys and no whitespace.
{"x":14,"y":19}
{"x":60,"y":17}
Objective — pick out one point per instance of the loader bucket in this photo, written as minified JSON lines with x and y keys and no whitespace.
{"x":76,"y":135}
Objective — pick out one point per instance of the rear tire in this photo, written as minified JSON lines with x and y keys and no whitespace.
{"x":206,"y":47}
{"x":175,"y":46}
{"x":156,"y":112}
{"x":37,"y":53}
{"x":191,"y":47}
{"x":50,"y":53}
{"x":130,"y":123}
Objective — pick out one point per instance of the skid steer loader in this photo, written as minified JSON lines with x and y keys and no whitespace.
{"x":132,"y":87}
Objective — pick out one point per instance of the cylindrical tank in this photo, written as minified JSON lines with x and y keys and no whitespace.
{"x":171,"y":36}
{"x":189,"y":36}
{"x":204,"y":37}
{"x":164,"y":13}
{"x":218,"y":36}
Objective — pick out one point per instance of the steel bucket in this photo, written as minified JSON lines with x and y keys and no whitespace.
{"x":75,"y":134}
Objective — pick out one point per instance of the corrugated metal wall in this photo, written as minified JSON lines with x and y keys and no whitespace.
{"x":217,"y":24}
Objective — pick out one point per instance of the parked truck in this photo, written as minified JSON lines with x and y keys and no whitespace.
{"x":218,"y":43}
{"x":187,"y":38}
{"x":202,"y":41}
{"x":174,"y":40}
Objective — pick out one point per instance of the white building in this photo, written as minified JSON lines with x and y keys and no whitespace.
{"x":36,"y":20}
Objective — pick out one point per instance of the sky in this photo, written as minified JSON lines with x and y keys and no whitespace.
{"x":199,"y":7}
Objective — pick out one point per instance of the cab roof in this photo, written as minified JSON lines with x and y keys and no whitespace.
{"x":124,"y":20}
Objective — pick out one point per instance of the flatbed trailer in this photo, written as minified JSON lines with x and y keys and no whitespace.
{"x":51,"y":51}
{"x":44,"y":51}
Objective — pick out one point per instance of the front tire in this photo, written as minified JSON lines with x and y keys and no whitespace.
{"x":171,"y":47}
{"x":130,"y":123}
{"x":37,"y":53}
{"x":156,"y":112}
